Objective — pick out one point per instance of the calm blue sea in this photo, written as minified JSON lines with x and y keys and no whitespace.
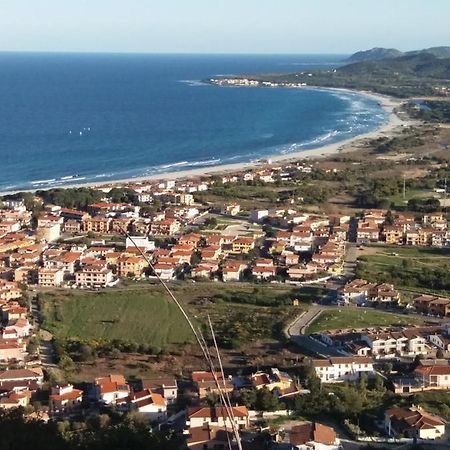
{"x":91,"y":117}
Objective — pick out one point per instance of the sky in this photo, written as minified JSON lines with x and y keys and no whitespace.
{"x":219,"y":26}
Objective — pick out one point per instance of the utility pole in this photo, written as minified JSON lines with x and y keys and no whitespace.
{"x":404,"y":187}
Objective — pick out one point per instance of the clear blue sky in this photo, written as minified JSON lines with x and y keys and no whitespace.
{"x":218,"y":26}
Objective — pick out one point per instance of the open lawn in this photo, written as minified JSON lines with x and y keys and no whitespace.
{"x":420,"y":269}
{"x":141,"y":316}
{"x":398,"y":199}
{"x":358,"y":318}
{"x":143,"y":313}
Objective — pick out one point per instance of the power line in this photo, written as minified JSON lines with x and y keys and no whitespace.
{"x":201,"y":342}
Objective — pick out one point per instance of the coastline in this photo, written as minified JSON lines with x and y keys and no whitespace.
{"x":388,"y":104}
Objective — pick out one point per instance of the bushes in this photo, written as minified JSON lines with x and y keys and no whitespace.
{"x":260,"y":296}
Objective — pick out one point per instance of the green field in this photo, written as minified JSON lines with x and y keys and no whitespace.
{"x":398,"y":199}
{"x":358,"y":318}
{"x":420,"y":269}
{"x":142,"y":313}
{"x":131,"y":315}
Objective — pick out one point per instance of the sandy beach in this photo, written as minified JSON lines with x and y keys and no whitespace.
{"x":389,"y":105}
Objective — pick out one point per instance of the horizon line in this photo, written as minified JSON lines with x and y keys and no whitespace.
{"x":94,"y":52}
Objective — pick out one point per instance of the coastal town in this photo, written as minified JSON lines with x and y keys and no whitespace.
{"x":224,"y":226}
{"x":170,"y":231}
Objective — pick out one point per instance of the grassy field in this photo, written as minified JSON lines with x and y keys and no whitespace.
{"x":141,"y":316}
{"x":398,"y":199}
{"x":142,"y":313}
{"x":411,"y":268}
{"x":358,"y":318}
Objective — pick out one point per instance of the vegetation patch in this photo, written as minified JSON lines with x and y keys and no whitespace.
{"x":358,"y":318}
{"x":421,"y":269}
{"x":140,"y":316}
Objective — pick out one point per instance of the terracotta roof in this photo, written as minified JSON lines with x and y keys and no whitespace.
{"x":433,"y":370}
{"x":312,"y":432}
{"x":216,"y":411}
{"x":204,"y":376}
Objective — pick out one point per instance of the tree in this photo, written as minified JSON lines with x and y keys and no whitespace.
{"x":266,"y":401}
{"x":439,"y":354}
{"x":379,"y":384}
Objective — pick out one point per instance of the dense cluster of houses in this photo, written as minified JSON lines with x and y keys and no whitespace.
{"x":389,"y":342}
{"x":361,"y":292}
{"x":403,"y":228}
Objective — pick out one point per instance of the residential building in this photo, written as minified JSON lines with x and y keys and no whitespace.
{"x":414,"y":422}
{"x":314,"y":436}
{"x":343,"y":368}
{"x":167,"y":387}
{"x":217,"y":417}
{"x":150,"y":404}
{"x":131,"y":266}
{"x":50,"y":277}
{"x":111,"y":388}
{"x":242,"y":245}
{"x":433,"y":376}
{"x":64,"y":398}
{"x":94,"y":276}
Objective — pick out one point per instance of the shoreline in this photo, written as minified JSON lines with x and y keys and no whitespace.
{"x":388,"y":104}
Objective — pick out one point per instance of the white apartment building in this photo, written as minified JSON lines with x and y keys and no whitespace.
{"x":343,"y":368}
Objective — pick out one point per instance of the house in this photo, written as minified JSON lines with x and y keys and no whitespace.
{"x":338,"y":369}
{"x":22,"y":375}
{"x":414,"y":422}
{"x":303,"y":271}
{"x":217,"y":416}
{"x":434,"y":376}
{"x":166,"y":227}
{"x":264,"y":269}
{"x":232,"y":271}
{"x":367,"y":231}
{"x":393,"y":234}
{"x":111,"y":388}
{"x":12,"y":350}
{"x":232,"y":209}
{"x":242,"y":245}
{"x":50,"y":277}
{"x":440,"y":341}
{"x":17,"y":328}
{"x":165,"y":271}
{"x":15,"y":399}
{"x":208,"y":437}
{"x":204,"y":270}
{"x":314,"y":436}
{"x":205,"y":383}
{"x":64,"y":398}
{"x":257,"y":215}
{"x":275,"y":379}
{"x":150,"y":404}
{"x":429,"y":304}
{"x":167,"y":387}
{"x":94,"y":276}
{"x":131,"y":266}
{"x":142,"y":242}
{"x":97,"y":225}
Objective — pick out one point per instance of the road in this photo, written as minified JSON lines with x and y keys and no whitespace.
{"x":46,"y":346}
{"x":308,"y":345}
{"x":296,"y":330}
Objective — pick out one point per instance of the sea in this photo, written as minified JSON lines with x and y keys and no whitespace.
{"x":82,"y":118}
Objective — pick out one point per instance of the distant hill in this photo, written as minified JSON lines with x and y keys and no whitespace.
{"x":420,"y":64}
{"x":374,"y":54}
{"x":439,"y":52}
{"x":379,"y":53}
